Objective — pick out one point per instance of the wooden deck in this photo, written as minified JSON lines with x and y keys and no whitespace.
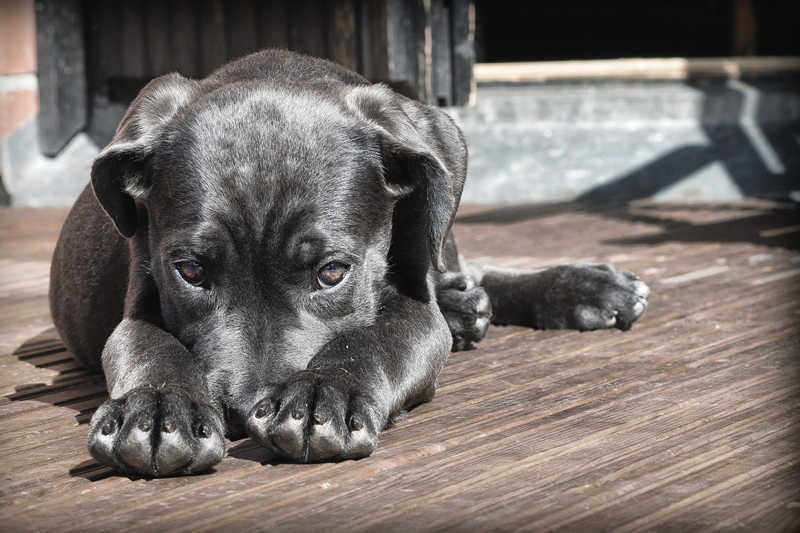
{"x":687,"y":422}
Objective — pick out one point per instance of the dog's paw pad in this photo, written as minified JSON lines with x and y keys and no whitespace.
{"x":156,"y":433}
{"x":466,"y":308}
{"x":640,"y":288}
{"x":616,"y":298}
{"x":588,"y":318}
{"x":319,"y":415}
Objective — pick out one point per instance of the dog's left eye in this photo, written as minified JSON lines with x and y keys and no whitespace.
{"x":192,"y":272}
{"x":331,"y":274}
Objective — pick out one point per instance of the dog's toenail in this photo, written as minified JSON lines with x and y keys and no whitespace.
{"x":203,"y":431}
{"x":356,"y":425}
{"x":299,"y":414}
{"x":319,"y":419}
{"x":144,"y":426}
{"x":261,"y":412}
{"x":168,"y":427}
{"x":106,"y":429}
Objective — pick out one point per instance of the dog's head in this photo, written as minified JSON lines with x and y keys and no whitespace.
{"x":270,"y":219}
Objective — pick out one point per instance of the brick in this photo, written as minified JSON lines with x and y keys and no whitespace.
{"x":17,"y":37}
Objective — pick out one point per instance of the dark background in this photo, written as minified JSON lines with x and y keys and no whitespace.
{"x":510,"y":30}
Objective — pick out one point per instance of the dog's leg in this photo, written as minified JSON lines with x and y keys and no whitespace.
{"x":336,"y":408}
{"x":464,"y":304}
{"x":159,"y":420}
{"x":580,"y":296}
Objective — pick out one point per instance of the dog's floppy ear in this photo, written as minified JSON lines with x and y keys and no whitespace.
{"x":120,"y":172}
{"x":428,"y":191}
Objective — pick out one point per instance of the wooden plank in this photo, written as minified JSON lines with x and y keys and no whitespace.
{"x":133,"y":44}
{"x":213,"y":46}
{"x":374,"y":39}
{"x":409,"y":48}
{"x":677,"y":68}
{"x":690,"y":418}
{"x":343,"y":33}
{"x":183,"y":35}
{"x":61,"y":71}
{"x":462,"y":13}
{"x":308,"y":30}
{"x":157,"y":37}
{"x":775,"y":232}
{"x":695,"y":275}
{"x":785,"y":274}
{"x":242,"y":28}
{"x":46,"y":358}
{"x":441,"y":53}
{"x":274,"y":24}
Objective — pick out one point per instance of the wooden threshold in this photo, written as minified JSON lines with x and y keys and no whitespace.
{"x":675,"y":68}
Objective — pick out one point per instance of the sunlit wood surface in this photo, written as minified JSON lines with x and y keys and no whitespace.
{"x":687,"y":422}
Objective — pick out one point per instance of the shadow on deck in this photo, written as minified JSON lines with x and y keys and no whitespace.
{"x":689,"y":420}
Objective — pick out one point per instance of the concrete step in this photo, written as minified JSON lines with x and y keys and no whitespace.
{"x":714,"y":140}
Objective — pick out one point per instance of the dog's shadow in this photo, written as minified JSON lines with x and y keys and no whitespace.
{"x":75,"y":387}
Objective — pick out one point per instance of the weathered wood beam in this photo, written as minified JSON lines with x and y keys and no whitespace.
{"x":62,"y":72}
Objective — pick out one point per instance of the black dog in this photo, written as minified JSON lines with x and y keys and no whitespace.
{"x":268,"y":251}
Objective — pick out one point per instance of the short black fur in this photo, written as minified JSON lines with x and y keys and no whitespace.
{"x":264,"y":172}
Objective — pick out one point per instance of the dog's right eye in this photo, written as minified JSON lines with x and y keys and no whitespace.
{"x":192,"y":272}
{"x":331,"y":274}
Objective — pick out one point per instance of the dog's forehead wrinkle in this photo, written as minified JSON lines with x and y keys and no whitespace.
{"x":254,"y":114}
{"x":308,"y":250}
{"x":259,"y":200}
{"x":306,"y":151}
{"x":264,"y":230}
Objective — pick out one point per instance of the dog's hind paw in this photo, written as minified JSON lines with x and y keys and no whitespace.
{"x":588,"y":297}
{"x":319,"y":415}
{"x":466,"y":308}
{"x":157,"y":433}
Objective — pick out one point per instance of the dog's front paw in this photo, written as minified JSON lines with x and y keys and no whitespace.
{"x":318,"y":415}
{"x":157,"y":433}
{"x":466,"y":308}
{"x":587,"y":297}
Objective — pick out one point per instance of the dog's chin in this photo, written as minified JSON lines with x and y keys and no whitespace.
{"x":235,"y":430}
{"x":235,"y":419}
